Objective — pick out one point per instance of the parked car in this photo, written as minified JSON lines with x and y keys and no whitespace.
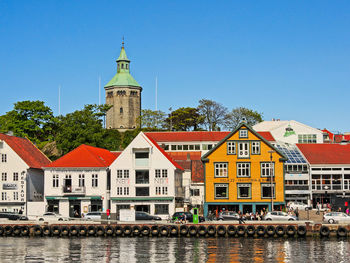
{"x":51,"y":216}
{"x":336,"y":217}
{"x":189,"y":216}
{"x":299,"y":205}
{"x":12,"y":216}
{"x":228,"y":215}
{"x":145,"y":216}
{"x":92,"y":216}
{"x":279,"y":216}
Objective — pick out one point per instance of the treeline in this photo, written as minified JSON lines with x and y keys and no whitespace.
{"x":57,"y":135}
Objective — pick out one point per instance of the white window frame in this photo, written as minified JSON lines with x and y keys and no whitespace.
{"x":94,"y":181}
{"x":243,"y":133}
{"x":242,"y":169}
{"x":255,"y":147}
{"x":268,"y":185}
{"x":55,"y":180}
{"x":164,"y":173}
{"x":244,"y":185}
{"x":126,"y":174}
{"x":4,"y":177}
{"x":265,"y":169}
{"x":221,"y":185}
{"x":119,"y":174}
{"x":4,"y":157}
{"x":231,"y":147}
{"x":164,"y":190}
{"x":81,"y":180}
{"x":243,"y":149}
{"x":221,"y":169}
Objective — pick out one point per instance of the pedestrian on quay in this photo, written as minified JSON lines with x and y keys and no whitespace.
{"x":347,"y":211}
{"x":318,"y":206}
{"x":241,"y":219}
{"x":296,"y":212}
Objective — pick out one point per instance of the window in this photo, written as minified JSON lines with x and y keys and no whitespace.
{"x":231,"y":148}
{"x":15,"y":196}
{"x":165,"y":190}
{"x":110,"y":94}
{"x":191,"y":147}
{"x":164,"y":173}
{"x":126,"y":173}
{"x":179,"y":147}
{"x":221,"y":190}
{"x":244,"y":190}
{"x":173,"y":147}
{"x":94,"y":182}
{"x":266,"y":191}
{"x":141,"y":159}
{"x":197,"y":147}
{"x":194,"y":192}
{"x":126,"y":190}
{"x":157,"y":173}
{"x":142,"y":177}
{"x":243,"y":133}
{"x":266,"y":169}
{"x":4,"y":176}
{"x":161,"y":209}
{"x":119,"y":190}
{"x":207,"y":146}
{"x":142,"y":191}
{"x":55,"y":180}
{"x":220,"y":169}
{"x":255,"y":147}
{"x":243,"y":169}
{"x":185,"y":147}
{"x":307,"y":138}
{"x":158,"y":190}
{"x":121,"y":110}
{"x":3,"y":196}
{"x":243,"y":149}
{"x":4,"y":157}
{"x":81,"y":180}
{"x":15,"y":176}
{"x":119,"y":173}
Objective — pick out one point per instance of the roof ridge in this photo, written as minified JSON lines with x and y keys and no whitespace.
{"x":38,"y":149}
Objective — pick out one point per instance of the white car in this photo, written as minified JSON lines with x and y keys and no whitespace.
{"x":92,"y":216}
{"x":279,"y":216}
{"x":336,"y":217}
{"x":50,"y":216}
{"x":299,"y":205}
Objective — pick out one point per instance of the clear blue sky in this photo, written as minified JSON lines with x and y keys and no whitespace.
{"x":287,"y":59}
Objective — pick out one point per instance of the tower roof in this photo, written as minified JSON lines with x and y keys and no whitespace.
{"x":123,"y":77}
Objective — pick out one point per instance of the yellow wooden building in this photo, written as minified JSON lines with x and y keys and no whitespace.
{"x":241,"y":171}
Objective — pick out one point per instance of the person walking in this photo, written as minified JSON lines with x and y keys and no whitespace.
{"x":296,"y":212}
{"x":347,"y":211}
{"x":318,"y":206}
{"x":241,"y":219}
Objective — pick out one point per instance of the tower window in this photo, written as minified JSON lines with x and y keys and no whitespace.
{"x":122,"y":65}
{"x":126,"y":66}
{"x":110,"y":94}
{"x":121,"y":110}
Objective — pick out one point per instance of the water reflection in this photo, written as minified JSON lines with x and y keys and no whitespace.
{"x":173,"y":250}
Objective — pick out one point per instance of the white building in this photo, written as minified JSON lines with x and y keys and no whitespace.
{"x":22,"y":177}
{"x":290,"y":131}
{"x":79,"y":182}
{"x":145,"y":178}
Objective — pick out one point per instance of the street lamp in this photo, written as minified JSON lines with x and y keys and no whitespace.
{"x":271,"y":177}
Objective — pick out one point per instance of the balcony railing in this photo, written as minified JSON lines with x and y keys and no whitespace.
{"x":327,"y":187}
{"x":297,"y":187}
{"x":73,"y":190}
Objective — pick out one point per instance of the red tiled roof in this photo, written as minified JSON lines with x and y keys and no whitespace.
{"x":330,"y":134}
{"x":185,"y":155}
{"x":197,"y":171}
{"x":164,"y":153}
{"x":326,"y":153}
{"x":267,"y":135}
{"x":196,"y":136}
{"x":86,"y":156}
{"x":26,"y":150}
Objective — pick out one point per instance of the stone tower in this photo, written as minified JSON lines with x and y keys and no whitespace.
{"x":124,"y":94}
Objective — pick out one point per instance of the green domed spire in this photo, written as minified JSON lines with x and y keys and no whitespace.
{"x":123,"y":77}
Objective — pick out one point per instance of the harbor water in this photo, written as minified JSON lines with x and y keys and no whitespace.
{"x":143,"y":250}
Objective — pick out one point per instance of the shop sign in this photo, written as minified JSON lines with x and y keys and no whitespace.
{"x":9,"y":187}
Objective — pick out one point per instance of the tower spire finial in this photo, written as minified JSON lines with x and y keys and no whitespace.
{"x":123,"y":42}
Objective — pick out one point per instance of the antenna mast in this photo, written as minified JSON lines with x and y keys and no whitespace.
{"x":59,"y":100}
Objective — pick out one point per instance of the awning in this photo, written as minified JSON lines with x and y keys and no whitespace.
{"x":73,"y":197}
{"x":143,"y":198}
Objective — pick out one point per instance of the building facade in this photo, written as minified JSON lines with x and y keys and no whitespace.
{"x":123,"y":93}
{"x":243,"y":172}
{"x":291,"y":132}
{"x":329,"y":173}
{"x":145,"y":178}
{"x":22,"y":177}
{"x":79,"y":182}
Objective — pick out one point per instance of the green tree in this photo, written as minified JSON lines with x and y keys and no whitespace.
{"x":154,"y":120}
{"x":30,"y":119}
{"x":213,"y":113}
{"x":241,"y":114}
{"x":184,"y":119}
{"x":85,"y":127}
